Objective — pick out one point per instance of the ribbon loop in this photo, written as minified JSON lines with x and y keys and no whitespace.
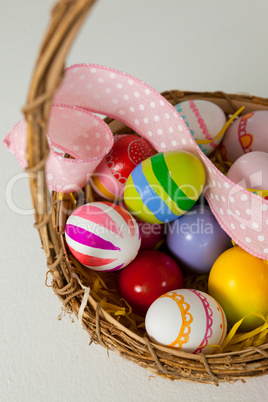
{"x":74,"y":130}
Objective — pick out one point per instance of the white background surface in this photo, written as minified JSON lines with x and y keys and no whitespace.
{"x":191,"y":45}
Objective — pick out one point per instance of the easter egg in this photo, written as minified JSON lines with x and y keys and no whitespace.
{"x":250,"y":171}
{"x":239,"y":282}
{"x":151,"y":274}
{"x":102,"y":236}
{"x":186,"y":319}
{"x":196,"y":239}
{"x":246,"y":134}
{"x":204,"y":120}
{"x":164,"y":186}
{"x":111,"y":174}
{"x":151,"y":234}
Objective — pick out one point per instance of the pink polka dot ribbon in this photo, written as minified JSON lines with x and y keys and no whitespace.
{"x":73,"y":129}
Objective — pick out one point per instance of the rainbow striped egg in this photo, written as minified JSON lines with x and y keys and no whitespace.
{"x":164,"y":186}
{"x":102,"y":236}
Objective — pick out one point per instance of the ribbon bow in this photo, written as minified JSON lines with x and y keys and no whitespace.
{"x":75,"y":130}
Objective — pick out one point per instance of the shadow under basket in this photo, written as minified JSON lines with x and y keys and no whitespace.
{"x":106,"y":317}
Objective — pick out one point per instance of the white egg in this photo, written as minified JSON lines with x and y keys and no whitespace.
{"x":204,"y":120}
{"x":186,"y":319}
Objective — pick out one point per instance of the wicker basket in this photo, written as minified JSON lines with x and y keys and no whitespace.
{"x":103,"y":328}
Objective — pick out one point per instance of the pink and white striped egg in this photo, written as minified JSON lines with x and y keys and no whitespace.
{"x":102,"y":236}
{"x":186,"y":319}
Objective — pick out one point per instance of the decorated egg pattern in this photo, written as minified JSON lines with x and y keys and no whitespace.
{"x":204,"y":120}
{"x":102,"y":236}
{"x":111,"y":174}
{"x":186,"y":319}
{"x":165,"y":186}
{"x":246,"y":134}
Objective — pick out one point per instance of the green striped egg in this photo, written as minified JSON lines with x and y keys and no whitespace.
{"x":164,"y":186}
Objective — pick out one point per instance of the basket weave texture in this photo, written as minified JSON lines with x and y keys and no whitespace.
{"x":50,"y":218}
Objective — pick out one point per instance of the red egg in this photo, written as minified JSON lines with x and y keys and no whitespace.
{"x":111,"y":174}
{"x":151,"y":234}
{"x":150,"y":275}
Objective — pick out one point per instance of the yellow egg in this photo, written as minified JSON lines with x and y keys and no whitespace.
{"x":239,"y":282}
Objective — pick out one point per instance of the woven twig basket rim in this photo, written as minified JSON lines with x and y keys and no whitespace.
{"x":67,"y":17}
